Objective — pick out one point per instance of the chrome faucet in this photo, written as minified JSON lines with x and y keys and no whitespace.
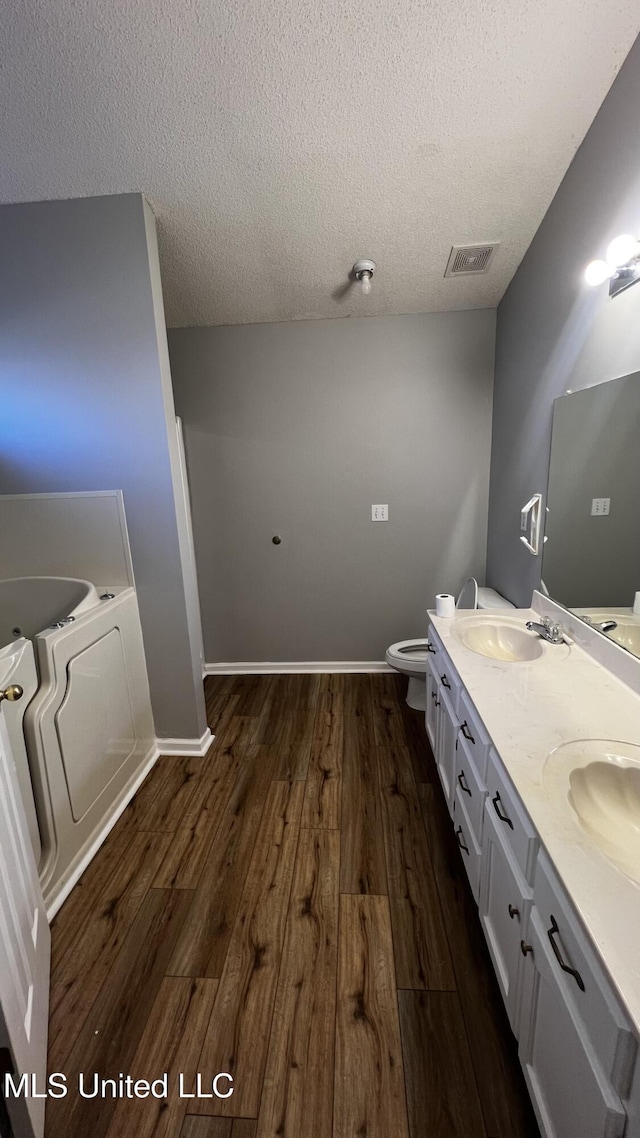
{"x":603,"y":625}
{"x":552,"y":633}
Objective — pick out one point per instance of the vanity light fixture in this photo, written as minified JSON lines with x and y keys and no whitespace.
{"x":363,"y":271}
{"x":621,"y":266}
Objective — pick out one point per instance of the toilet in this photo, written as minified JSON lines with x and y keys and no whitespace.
{"x":410,"y":656}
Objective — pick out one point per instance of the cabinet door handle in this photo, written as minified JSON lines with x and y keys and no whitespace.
{"x":445,"y":682}
{"x":463,"y":785}
{"x":502,"y":817}
{"x":513,"y":912}
{"x":464,"y":727}
{"x":436,"y":700}
{"x":430,"y":648}
{"x":558,"y":955}
{"x":525,"y":948}
{"x":461,"y":841}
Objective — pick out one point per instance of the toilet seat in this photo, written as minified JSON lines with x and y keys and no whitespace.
{"x":408,"y":655}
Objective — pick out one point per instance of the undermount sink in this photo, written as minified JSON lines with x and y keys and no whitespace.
{"x":498,"y":639}
{"x":599,"y":782}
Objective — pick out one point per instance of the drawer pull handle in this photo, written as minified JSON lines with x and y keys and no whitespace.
{"x":445,"y":682}
{"x":558,"y":955}
{"x":464,"y":727}
{"x":461,"y":841}
{"x":463,"y":785}
{"x":525,"y":948}
{"x":513,"y":912}
{"x":436,"y":700}
{"x":430,"y":648}
{"x":502,"y":817}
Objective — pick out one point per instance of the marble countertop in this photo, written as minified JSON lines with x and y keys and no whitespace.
{"x":529,"y":709}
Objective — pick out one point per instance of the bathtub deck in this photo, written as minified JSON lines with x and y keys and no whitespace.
{"x":291,"y":909}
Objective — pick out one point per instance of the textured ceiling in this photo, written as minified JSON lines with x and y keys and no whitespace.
{"x":279,"y":140}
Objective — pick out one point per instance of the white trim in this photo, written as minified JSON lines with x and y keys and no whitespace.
{"x":302,"y":667}
{"x":66,"y":884}
{"x":197,"y":747}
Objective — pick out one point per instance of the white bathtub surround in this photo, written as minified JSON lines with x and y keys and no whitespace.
{"x":531,"y":708}
{"x":88,"y":729}
{"x":198,"y":747}
{"x":295,"y":667}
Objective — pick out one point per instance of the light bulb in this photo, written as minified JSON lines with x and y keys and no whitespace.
{"x":622,"y":249}
{"x":597,"y":272}
{"x":365,"y":281}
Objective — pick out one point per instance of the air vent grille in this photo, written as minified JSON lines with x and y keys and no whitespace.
{"x":467,"y":259}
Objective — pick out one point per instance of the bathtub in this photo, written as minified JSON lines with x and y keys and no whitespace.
{"x":88,"y":728}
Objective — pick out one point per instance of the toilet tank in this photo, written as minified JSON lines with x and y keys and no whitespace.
{"x":490,"y":599}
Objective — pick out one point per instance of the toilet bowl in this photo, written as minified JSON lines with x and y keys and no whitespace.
{"x":410,"y":656}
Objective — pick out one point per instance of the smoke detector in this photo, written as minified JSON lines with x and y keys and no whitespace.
{"x":467,"y":259}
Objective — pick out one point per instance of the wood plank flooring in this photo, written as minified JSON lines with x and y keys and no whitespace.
{"x":292,"y":909}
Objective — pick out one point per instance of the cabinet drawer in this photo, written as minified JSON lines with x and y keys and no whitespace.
{"x":582,"y":977}
{"x":516,"y":828}
{"x":469,"y":848}
{"x":448,"y":679}
{"x":473,"y":732}
{"x":470,"y":786}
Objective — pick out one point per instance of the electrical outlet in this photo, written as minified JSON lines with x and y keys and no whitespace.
{"x":379,"y":513}
{"x":600,"y":507}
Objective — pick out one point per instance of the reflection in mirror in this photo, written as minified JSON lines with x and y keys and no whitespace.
{"x":591,"y":561}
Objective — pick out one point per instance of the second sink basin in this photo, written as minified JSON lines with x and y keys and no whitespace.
{"x":498,"y":639}
{"x":599,"y":781}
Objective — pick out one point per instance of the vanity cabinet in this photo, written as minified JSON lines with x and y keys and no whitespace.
{"x":576,"y":1046}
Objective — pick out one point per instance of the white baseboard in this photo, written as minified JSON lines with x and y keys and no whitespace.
{"x":56,"y":899}
{"x":198,"y":747}
{"x":301,"y":667}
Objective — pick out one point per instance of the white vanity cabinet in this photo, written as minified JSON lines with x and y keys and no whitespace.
{"x":576,"y":1045}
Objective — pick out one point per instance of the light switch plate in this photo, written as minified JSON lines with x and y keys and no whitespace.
{"x":379,"y":513}
{"x":600,"y":507}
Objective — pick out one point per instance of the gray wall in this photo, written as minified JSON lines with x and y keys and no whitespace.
{"x":87,"y":403}
{"x":554,"y":332}
{"x":297,"y":429}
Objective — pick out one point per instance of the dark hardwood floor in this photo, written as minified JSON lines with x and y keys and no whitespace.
{"x":291,"y":909}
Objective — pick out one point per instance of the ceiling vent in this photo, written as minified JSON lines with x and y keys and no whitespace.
{"x":467,"y":259}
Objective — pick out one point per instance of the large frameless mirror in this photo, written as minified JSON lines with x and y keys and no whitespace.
{"x":591,"y":559}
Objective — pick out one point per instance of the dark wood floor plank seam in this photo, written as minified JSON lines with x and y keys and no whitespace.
{"x":77,"y":982}
{"x":189,"y":957}
{"x":421,"y":945}
{"x":295,"y":1087}
{"x":242,"y":1014}
{"x":111,"y":1033}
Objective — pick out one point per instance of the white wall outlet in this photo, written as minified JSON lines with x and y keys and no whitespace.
{"x":379,"y":513}
{"x":600,"y":507}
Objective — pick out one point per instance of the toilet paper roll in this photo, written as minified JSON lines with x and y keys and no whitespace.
{"x":445,"y":604}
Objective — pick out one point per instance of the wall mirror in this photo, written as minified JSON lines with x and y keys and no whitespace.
{"x":591,"y":558}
